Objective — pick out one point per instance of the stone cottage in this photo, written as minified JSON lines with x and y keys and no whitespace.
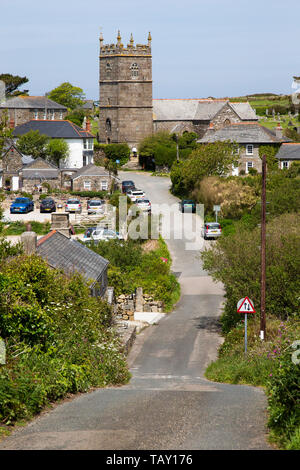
{"x":22,"y":109}
{"x":93,"y":178}
{"x":249,"y":136}
{"x":288,"y":154}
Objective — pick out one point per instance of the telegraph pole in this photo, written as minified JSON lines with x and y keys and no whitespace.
{"x":263,"y":252}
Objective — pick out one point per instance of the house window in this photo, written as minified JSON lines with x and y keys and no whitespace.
{"x":134,"y":70}
{"x":88,"y":144}
{"x":36,"y":114}
{"x":285,"y":165}
{"x":104,"y":185}
{"x":249,"y":149}
{"x":87,"y":185}
{"x":248,"y":166}
{"x":60,"y":115}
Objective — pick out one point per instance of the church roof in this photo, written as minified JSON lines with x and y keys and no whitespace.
{"x":197,"y":109}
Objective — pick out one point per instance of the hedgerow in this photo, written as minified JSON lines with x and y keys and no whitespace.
{"x":58,"y":341}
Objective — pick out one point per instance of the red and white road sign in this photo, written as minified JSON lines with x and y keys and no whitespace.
{"x":245,"y":306}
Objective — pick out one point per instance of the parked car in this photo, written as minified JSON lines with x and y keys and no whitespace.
{"x":73,"y":205}
{"x":47,"y":205}
{"x":100,"y":234}
{"x":211,"y":230}
{"x":144,"y":204}
{"x":127,"y":186}
{"x":135,"y":194}
{"x":21,"y":205}
{"x":187,"y":205}
{"x":95,"y":206}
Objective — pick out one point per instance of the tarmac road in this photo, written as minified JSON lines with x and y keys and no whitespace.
{"x":168,"y":403}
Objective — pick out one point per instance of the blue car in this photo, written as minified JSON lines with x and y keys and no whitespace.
{"x":21,"y":205}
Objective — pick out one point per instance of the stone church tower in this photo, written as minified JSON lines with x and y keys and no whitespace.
{"x":126,"y":113}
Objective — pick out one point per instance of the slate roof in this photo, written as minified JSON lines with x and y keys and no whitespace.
{"x":92,"y":170}
{"x":289,"y":151}
{"x":197,"y":109}
{"x":69,"y":255}
{"x":31,"y":171}
{"x":31,"y":102}
{"x":243,"y":133}
{"x":55,"y":129}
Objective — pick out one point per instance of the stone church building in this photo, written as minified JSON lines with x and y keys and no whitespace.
{"x":128,"y":112}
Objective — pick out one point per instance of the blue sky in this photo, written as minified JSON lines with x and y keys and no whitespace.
{"x":200,"y":48}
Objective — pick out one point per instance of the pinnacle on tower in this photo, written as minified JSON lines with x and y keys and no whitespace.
{"x":101,"y":38}
{"x":149,"y":39}
{"x":119,"y":38}
{"x":131,"y":40}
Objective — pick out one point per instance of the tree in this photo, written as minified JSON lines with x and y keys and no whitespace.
{"x":56,"y":150}
{"x":12,"y":83}
{"x":5,"y":131}
{"x":33,"y":143}
{"x":215,"y":159}
{"x":67,"y":95}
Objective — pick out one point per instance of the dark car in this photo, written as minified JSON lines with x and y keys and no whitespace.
{"x":187,"y":205}
{"x":127,"y":186}
{"x":47,"y":205}
{"x":21,"y":205}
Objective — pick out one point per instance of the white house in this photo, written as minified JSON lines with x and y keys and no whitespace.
{"x":80,"y":141}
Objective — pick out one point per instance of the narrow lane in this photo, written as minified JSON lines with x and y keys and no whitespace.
{"x":168,"y":403}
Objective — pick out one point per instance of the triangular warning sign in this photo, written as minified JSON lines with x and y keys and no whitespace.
{"x":246,"y":306}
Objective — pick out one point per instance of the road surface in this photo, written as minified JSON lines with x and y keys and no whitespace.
{"x":168,"y":404}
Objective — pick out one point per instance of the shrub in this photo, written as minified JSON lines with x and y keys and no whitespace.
{"x":235,"y":261}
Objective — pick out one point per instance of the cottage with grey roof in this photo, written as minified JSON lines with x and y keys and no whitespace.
{"x":22,"y":109}
{"x":71,"y":256}
{"x":288,"y":154}
{"x":80,"y":141}
{"x":249,"y":136}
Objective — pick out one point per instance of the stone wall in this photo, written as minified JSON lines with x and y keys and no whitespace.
{"x":244,"y":158}
{"x":126,"y":305}
{"x":20,"y":116}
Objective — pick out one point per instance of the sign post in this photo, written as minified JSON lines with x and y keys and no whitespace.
{"x":245,"y":306}
{"x":216,"y":210}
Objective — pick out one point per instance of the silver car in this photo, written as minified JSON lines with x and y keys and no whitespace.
{"x":95,"y":206}
{"x":211,"y":230}
{"x":144,"y":205}
{"x":73,"y":205}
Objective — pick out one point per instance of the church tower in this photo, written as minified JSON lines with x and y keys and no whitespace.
{"x":126,"y":113}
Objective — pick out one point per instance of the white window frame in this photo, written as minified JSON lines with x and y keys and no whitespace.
{"x":87,"y":185}
{"x":104,"y":185}
{"x":248,"y":151}
{"x":285,"y":164}
{"x":61,"y":115}
{"x":248,"y":166}
{"x":36,"y":114}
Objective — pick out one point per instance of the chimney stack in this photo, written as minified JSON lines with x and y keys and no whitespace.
{"x":88,"y":125}
{"x":29,"y":241}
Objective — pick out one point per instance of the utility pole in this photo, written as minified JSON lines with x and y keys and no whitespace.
{"x":263,"y":252}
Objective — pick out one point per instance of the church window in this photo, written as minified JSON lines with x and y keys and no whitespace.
{"x":108,"y":68}
{"x":108,"y":125}
{"x":134,"y":70}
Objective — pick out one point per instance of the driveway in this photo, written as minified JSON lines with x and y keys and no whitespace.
{"x":168,"y":403}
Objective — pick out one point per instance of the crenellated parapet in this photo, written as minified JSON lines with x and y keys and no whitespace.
{"x":120,"y":49}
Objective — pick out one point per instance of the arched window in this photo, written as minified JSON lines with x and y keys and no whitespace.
{"x":108,"y":68}
{"x":227,"y":122}
{"x":134,"y":70}
{"x":108,"y":125}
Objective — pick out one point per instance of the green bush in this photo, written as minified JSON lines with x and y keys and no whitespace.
{"x":90,"y":194}
{"x":235,"y":261}
{"x":58,"y":341}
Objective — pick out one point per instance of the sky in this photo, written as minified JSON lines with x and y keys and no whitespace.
{"x":200,"y":48}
